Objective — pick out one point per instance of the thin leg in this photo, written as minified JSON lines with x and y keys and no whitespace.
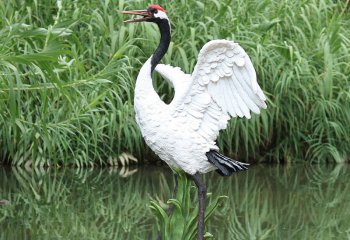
{"x":202,"y":191}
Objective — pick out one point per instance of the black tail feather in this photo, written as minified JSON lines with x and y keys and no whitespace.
{"x":226,"y":166}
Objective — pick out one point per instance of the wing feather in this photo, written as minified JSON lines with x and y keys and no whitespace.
{"x":174,"y":75}
{"x":177,"y":79}
{"x":245,"y":96}
{"x":223,"y":85}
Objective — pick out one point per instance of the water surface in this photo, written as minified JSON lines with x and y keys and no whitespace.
{"x":266,"y":202}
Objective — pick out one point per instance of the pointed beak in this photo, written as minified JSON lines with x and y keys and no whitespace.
{"x":145,"y":15}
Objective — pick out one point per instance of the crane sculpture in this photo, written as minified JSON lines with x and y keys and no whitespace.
{"x":183,"y":133}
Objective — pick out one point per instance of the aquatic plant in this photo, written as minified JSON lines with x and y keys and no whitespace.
{"x":178,"y":218}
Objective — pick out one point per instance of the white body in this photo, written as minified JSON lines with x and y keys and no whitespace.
{"x":223,"y":84}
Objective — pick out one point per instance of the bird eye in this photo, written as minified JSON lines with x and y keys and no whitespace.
{"x":153,"y":10}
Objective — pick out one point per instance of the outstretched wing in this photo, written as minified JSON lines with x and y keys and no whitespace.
{"x":173,"y":75}
{"x":223,"y":84}
{"x":179,"y":80}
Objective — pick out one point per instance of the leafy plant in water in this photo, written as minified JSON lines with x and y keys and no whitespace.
{"x":181,"y":223}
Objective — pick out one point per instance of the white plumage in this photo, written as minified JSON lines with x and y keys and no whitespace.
{"x":223,"y":85}
{"x":183,"y":133}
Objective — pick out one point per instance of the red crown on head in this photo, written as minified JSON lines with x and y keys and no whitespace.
{"x":157,"y":7}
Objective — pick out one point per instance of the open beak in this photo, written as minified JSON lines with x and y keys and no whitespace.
{"x":145,"y":16}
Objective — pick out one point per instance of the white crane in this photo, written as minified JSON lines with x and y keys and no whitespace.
{"x":183,"y":133}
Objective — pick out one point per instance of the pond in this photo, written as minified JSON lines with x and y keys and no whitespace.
{"x":266,"y":202}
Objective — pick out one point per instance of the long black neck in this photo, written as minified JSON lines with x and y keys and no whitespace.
{"x":165,"y":38}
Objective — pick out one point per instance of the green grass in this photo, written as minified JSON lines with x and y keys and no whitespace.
{"x":67,"y":75}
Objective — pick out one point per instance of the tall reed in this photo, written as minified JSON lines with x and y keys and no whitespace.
{"x":67,"y":73}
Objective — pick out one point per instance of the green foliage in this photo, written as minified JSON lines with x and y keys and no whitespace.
{"x":182,"y":222}
{"x":66,"y":88}
{"x":68,"y":69}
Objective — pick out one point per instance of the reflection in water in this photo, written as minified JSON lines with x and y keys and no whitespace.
{"x":266,"y":202}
